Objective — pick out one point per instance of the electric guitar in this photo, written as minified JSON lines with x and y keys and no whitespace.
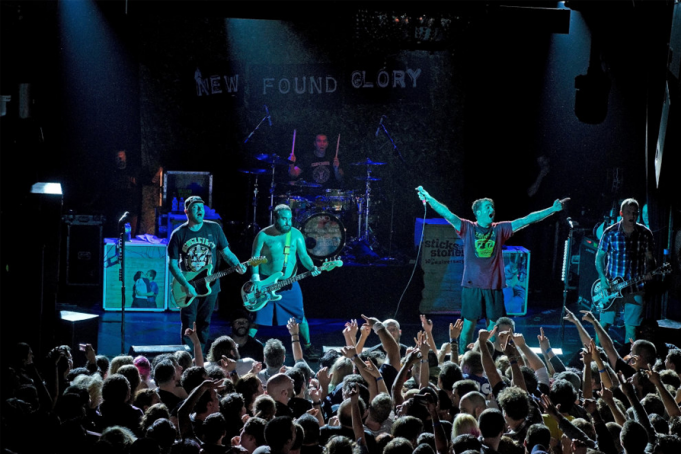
{"x":202,"y":279}
{"x":256,"y":295}
{"x":602,"y":299}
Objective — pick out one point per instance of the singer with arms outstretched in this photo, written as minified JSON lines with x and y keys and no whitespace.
{"x":483,"y":272}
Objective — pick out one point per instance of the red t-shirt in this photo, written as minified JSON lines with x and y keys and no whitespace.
{"x":482,"y":255}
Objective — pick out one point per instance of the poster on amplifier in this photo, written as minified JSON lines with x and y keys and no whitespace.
{"x":146,"y":276}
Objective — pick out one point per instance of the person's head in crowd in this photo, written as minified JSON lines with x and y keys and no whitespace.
{"x":342,"y":367}
{"x":339,"y":445}
{"x":214,"y":429}
{"x":192,"y":377}
{"x":29,"y":394}
{"x":633,"y":437}
{"x":424,"y":448}
{"x":186,"y":446}
{"x":298,"y":443}
{"x":426,"y":438}
{"x":658,"y":422}
{"x":103,"y":364}
{"x":645,"y":353}
{"x":121,"y":438}
{"x":502,"y":363}
{"x":154,"y":413}
{"x":408,"y":427}
{"x":675,"y":426}
{"x":164,"y":374}
{"x":465,"y":424}
{"x":264,"y":407}
{"x":76,"y":372}
{"x":537,"y":435}
{"x":130,"y":372}
{"x":450,"y":373}
{"x":505,"y":324}
{"x":184,"y":358}
{"x":615,"y":430}
{"x":280,"y":388}
{"x":667,"y":444}
{"x":223,"y":346}
{"x":349,"y":381}
{"x":208,"y":403}
{"x":380,"y":408}
{"x":280,"y":433}
{"x":515,"y":405}
{"x":252,"y":434}
{"x":116,"y":390}
{"x":465,"y":442}
{"x":585,"y":426}
{"x":643,"y":383}
{"x":298,"y":377}
{"x":492,"y":426}
{"x":232,"y":408}
{"x":215,"y":372}
{"x":382,"y":441}
{"x":531,"y":380}
{"x":329,"y":358}
{"x":461,"y":388}
{"x":145,"y":398}
{"x":563,"y":393}
{"x":399,"y":445}
{"x":62,"y":357}
{"x":673,"y":360}
{"x":345,"y":411}
{"x":143,"y":367}
{"x":119,"y":361}
{"x":393,"y":327}
{"x":250,"y":387}
{"x":310,"y":426}
{"x":670,"y":377}
{"x":274,"y":353}
{"x":471,"y":363}
{"x":573,"y":377}
{"x":21,"y":355}
{"x":473,"y":403}
{"x":307,"y":371}
{"x":93,"y":384}
{"x":69,"y":407}
{"x":652,"y":403}
{"x":163,"y":431}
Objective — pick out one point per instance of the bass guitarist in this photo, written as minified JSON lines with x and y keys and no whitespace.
{"x":193,"y":246}
{"x":626,"y":251}
{"x":283,"y":245}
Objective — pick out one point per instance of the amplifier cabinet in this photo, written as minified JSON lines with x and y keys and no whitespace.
{"x":83,"y":249}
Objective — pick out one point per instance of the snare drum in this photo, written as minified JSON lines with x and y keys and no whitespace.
{"x":324,"y":234}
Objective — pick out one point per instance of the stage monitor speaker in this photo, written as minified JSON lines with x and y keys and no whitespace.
{"x":83,"y":249}
{"x":587,"y":270}
{"x":152,"y":351}
{"x":77,"y":328}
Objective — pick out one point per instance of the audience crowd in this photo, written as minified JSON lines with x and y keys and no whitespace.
{"x":500,"y":396}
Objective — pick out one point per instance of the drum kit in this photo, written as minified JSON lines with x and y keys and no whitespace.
{"x":320,"y":214}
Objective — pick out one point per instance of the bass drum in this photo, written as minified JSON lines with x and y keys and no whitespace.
{"x":324,"y":234}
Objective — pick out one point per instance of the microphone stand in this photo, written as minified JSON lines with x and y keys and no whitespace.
{"x":121,"y":278}
{"x":392,"y":184}
{"x":566,"y":272}
{"x":256,"y":128}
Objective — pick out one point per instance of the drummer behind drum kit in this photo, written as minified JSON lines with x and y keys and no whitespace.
{"x":320,"y":214}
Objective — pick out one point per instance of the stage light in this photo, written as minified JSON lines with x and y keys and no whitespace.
{"x":46,"y":188}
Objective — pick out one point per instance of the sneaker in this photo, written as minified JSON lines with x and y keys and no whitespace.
{"x":311,"y":353}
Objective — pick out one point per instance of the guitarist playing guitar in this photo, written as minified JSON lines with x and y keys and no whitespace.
{"x":192,"y":246}
{"x":283,"y":245}
{"x":626,"y":251}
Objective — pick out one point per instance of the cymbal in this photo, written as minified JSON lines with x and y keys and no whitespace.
{"x":367,"y":178}
{"x":304,"y":184}
{"x":253,"y":171}
{"x":273,"y":159}
{"x":367,"y":162}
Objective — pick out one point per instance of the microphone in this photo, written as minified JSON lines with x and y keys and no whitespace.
{"x":269,"y":118}
{"x":572,"y":223}
{"x":378,"y":130}
{"x":125,"y":217}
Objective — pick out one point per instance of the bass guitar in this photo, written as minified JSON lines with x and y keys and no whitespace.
{"x":202,"y":279}
{"x":256,"y":295}
{"x":602,"y":299}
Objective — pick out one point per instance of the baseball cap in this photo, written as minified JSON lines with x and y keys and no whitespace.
{"x":192,"y":200}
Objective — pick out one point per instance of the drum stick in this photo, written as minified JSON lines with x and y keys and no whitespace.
{"x":293,"y":147}
{"x":337,"y":145}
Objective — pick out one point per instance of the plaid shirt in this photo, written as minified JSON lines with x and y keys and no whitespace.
{"x":626,"y":256}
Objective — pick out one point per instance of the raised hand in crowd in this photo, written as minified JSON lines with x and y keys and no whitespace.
{"x":193,"y":335}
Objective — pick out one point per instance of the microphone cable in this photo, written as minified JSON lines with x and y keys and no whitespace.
{"x":416,"y":262}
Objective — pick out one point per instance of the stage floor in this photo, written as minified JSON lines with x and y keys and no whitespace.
{"x":163,"y":328}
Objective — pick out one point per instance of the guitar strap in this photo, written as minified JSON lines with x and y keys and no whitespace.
{"x":287,"y":248}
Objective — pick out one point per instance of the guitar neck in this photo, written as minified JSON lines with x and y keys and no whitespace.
{"x":636,"y":280}
{"x":216,"y":276}
{"x":289,"y":281}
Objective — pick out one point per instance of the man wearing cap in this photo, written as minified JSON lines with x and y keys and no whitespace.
{"x":192,"y":246}
{"x":248,"y":346}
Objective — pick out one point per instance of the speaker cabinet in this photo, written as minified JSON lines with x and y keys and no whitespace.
{"x":83,"y":249}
